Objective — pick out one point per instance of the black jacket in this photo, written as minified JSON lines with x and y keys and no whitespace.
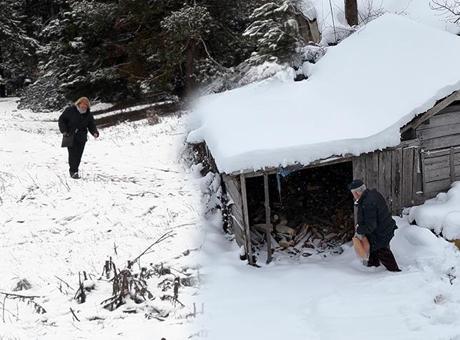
{"x":374,"y":219}
{"x":72,"y":121}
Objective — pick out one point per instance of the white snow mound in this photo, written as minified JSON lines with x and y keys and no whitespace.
{"x":440,"y":214}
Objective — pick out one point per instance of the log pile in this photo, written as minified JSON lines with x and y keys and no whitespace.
{"x":311,"y":212}
{"x":308,"y":238}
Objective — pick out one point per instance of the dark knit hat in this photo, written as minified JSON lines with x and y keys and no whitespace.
{"x":355,"y":184}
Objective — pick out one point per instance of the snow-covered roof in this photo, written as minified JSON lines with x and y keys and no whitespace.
{"x":358,"y":97}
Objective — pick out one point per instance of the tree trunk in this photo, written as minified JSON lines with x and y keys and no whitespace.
{"x":2,"y":84}
{"x":189,"y":82}
{"x":351,"y":12}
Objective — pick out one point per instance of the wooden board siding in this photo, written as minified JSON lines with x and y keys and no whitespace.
{"x":440,"y":140}
{"x":233,"y":189}
{"x":408,"y":174}
{"x":384,"y":185}
{"x":395,"y":173}
{"x":442,"y":130}
{"x":441,"y":168}
{"x":359,"y":168}
{"x":396,"y":180}
{"x":372,"y":169}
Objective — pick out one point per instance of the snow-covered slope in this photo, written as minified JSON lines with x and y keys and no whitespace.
{"x":357,"y":98}
{"x":134,"y":189}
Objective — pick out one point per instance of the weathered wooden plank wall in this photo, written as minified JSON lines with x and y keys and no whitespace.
{"x":233,"y":189}
{"x":440,"y":139}
{"x":441,"y":168}
{"x":393,"y":172}
{"x":396,"y":179}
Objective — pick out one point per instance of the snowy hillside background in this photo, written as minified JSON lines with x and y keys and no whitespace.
{"x":205,"y":46}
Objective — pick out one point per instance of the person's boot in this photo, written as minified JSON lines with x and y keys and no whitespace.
{"x":75,"y":175}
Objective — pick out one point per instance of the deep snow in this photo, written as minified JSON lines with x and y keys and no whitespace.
{"x":135,"y":187}
{"x":335,"y":297}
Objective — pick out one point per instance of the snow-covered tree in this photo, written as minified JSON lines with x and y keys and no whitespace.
{"x":185,"y":31}
{"x":16,"y":47}
{"x":73,"y":59}
{"x":274,"y":31}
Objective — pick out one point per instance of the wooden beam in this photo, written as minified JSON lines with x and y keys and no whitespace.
{"x":273,"y":170}
{"x":408,"y":170}
{"x":396,"y":180}
{"x":267,"y":200}
{"x":246,"y":219}
{"x":442,"y":104}
{"x":452,"y":165}
{"x":268,"y":219}
{"x":423,"y":169}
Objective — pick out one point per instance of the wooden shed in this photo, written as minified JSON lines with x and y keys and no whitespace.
{"x":380,"y":116}
{"x":426,"y":162}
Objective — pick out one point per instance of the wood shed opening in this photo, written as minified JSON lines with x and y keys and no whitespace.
{"x":311,"y":210}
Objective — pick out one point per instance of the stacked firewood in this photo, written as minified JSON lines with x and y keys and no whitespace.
{"x":313,"y":235}
{"x":311,"y":210}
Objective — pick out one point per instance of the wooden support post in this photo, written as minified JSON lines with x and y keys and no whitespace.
{"x":452,"y":165}
{"x":422,"y":169}
{"x":246,"y":219}
{"x":268,"y":219}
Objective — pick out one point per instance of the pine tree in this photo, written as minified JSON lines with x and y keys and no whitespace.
{"x":17,"y":49}
{"x":72,"y":58}
{"x":185,"y":31}
{"x":130,"y":49}
{"x":274,"y":31}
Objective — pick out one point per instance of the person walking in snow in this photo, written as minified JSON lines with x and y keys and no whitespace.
{"x":74,"y":124}
{"x":375,"y":226}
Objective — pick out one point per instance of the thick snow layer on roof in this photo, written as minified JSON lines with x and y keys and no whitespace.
{"x":419,"y":10}
{"x":357,"y":98}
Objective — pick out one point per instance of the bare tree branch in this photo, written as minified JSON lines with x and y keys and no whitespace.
{"x":448,"y":6}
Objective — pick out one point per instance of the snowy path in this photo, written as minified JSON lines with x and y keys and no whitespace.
{"x":134,"y":189}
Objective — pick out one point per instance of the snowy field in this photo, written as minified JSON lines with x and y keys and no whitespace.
{"x":135,"y":188}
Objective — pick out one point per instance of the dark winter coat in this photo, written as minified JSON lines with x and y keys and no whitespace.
{"x":374,"y":219}
{"x":72,"y":121}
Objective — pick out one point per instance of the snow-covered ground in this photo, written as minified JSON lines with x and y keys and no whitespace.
{"x":440,"y":214}
{"x":134,"y":189}
{"x":335,"y":297}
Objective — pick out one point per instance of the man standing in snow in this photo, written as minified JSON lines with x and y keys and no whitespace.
{"x":74,"y":124}
{"x":375,"y":223}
